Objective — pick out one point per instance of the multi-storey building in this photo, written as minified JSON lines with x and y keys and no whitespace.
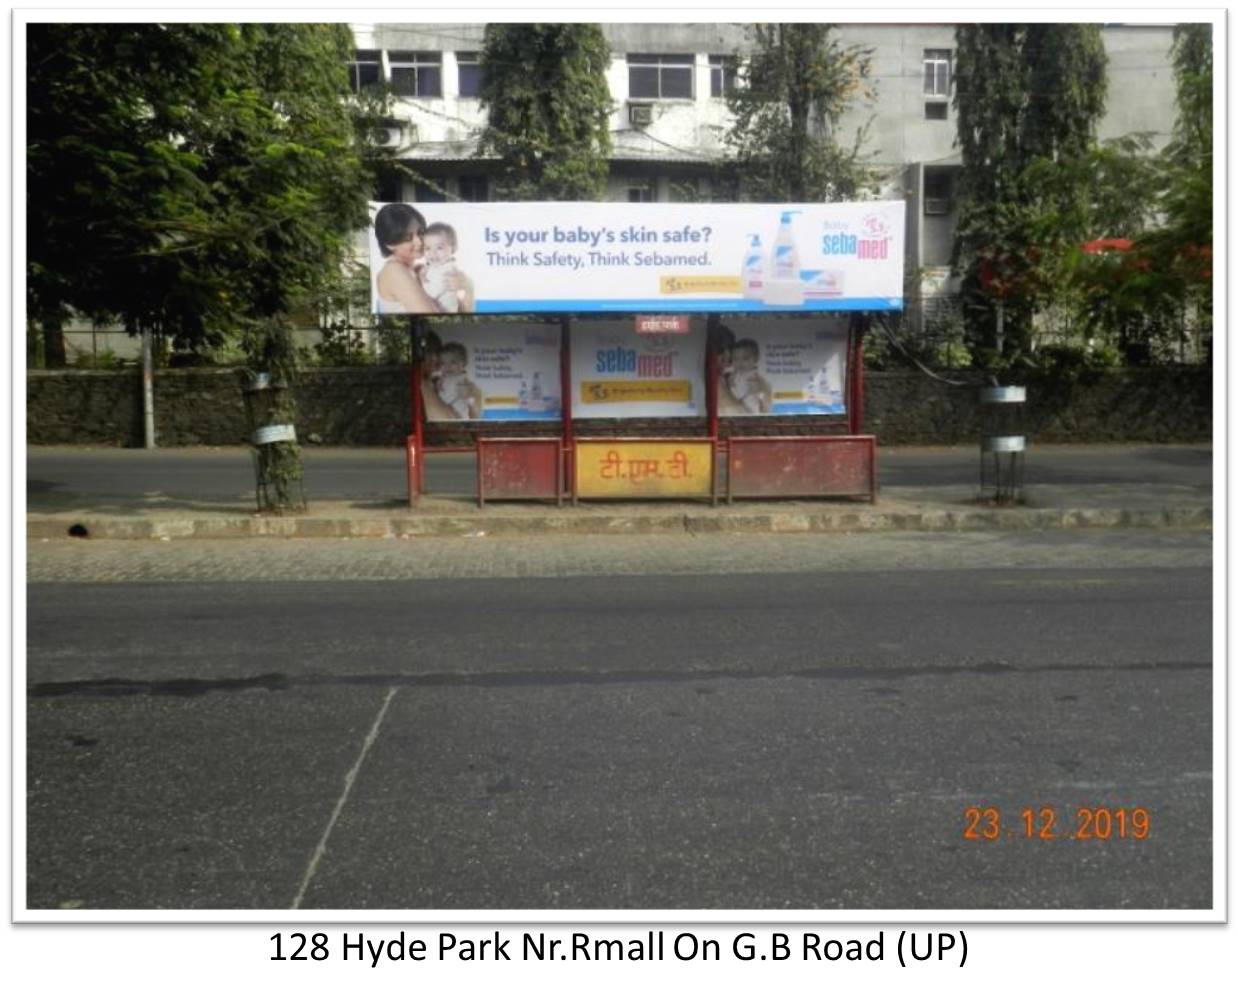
{"x":670,"y":118}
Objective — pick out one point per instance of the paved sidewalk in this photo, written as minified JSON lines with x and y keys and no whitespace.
{"x":201,"y":494}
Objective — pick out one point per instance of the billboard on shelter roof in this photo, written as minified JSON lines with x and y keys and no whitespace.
{"x":515,"y":258}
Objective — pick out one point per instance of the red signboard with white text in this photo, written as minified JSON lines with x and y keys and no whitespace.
{"x":663,"y":324}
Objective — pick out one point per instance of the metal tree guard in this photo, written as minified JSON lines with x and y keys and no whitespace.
{"x":1003,"y":442}
{"x":263,"y":400}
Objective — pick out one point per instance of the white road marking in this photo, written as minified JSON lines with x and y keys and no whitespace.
{"x":349,"y":778}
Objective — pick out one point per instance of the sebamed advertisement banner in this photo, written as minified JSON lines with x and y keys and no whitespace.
{"x":492,"y":373}
{"x":513,"y":258}
{"x":782,"y":368}
{"x":619,"y":373}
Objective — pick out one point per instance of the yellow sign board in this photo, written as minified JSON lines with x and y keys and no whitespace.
{"x":636,"y":468}
{"x":700,"y":285}
{"x":609,"y":392}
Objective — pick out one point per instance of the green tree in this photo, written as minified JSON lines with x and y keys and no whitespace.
{"x":1180,"y":249}
{"x":106,"y":162}
{"x":1192,"y":60}
{"x":1024,"y":93}
{"x":1151,"y":272}
{"x":191,"y":180}
{"x":1084,"y":224}
{"x":788,"y":103}
{"x":544,"y":86}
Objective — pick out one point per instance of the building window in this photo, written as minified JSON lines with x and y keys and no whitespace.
{"x":388,"y":188}
{"x":365,"y":70}
{"x":723,"y":188}
{"x":938,"y":191}
{"x":660,"y":76}
{"x":685,"y":191}
{"x":428,"y":193}
{"x":416,"y":74}
{"x":722,"y":70}
{"x":937,"y":72}
{"x":936,"y":110}
{"x":474,"y":188}
{"x":469,"y":65}
{"x":642,"y":191}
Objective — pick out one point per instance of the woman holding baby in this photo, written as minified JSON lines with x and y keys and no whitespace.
{"x":400,"y":230}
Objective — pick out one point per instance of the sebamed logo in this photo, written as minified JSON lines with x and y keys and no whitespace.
{"x":872,"y":241}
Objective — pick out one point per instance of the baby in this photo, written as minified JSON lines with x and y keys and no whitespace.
{"x":439,"y":247}
{"x":742,"y":378}
{"x":451,"y":381}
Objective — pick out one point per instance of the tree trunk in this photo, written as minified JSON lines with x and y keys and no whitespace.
{"x":279,"y":463}
{"x":797,"y":107}
{"x":53,"y":344}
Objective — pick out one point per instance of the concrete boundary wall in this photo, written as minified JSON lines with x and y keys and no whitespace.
{"x":368,"y":406}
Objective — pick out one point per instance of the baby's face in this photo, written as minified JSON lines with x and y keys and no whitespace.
{"x":438,"y":248}
{"x":452,"y":365}
{"x":744,"y":359}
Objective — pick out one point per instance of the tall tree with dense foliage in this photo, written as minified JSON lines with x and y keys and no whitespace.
{"x":788,"y":103}
{"x":1192,"y":60}
{"x":107,"y":167}
{"x":188,"y":176}
{"x":1181,"y":248}
{"x":544,"y":87}
{"x":1025,"y":93}
{"x":1126,"y":233}
{"x":190,"y":179}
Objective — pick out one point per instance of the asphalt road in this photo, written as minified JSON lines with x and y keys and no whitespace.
{"x":795,"y":738}
{"x":61,"y":477}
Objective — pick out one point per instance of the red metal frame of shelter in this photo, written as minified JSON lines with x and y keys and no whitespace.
{"x":520,"y":468}
{"x":525,"y":481}
{"x":801,"y":467}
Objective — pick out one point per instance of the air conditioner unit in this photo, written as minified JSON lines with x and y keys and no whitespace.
{"x":386,"y":137}
{"x":640,"y":115}
{"x":393,"y":135}
{"x":937,"y":205}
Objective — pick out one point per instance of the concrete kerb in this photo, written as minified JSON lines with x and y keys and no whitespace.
{"x":612,"y":523}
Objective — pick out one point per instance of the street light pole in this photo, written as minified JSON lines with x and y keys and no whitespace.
{"x":148,"y":391}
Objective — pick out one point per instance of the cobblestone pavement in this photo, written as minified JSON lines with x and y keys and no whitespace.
{"x":582,"y":556}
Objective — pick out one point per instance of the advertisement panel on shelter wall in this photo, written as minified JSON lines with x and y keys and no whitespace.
{"x":620,"y":373}
{"x":644,"y":468}
{"x":522,"y":258}
{"x":782,"y":368}
{"x":492,"y":373}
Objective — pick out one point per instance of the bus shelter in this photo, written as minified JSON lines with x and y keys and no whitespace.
{"x":623,"y":351}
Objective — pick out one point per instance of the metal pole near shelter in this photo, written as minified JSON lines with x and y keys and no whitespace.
{"x":565,"y":394}
{"x":855,"y":399}
{"x":414,"y":444}
{"x":148,"y":391}
{"x":711,"y":375}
